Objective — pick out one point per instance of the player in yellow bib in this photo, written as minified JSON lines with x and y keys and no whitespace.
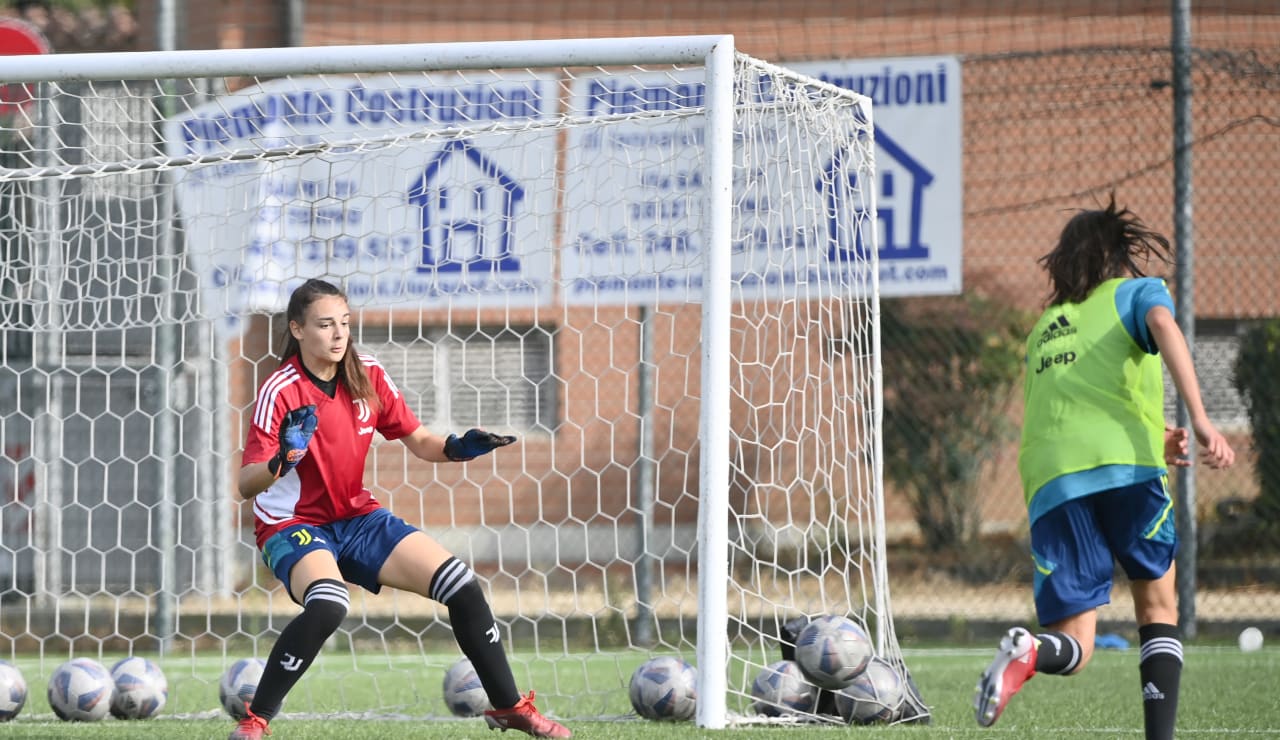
{"x":1094,"y":457}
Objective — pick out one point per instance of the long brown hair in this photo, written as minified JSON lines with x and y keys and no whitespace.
{"x":1096,"y":246}
{"x":350,"y":369}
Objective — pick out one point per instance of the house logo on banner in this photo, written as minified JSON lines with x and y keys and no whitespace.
{"x":919,"y":140}
{"x":400,"y":219}
{"x":636,"y":193}
{"x":472,"y":231}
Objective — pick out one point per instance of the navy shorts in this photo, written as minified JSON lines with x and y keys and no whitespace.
{"x":1075,"y":547}
{"x":361,"y":546}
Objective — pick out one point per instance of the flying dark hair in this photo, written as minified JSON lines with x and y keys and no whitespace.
{"x":350,"y":370}
{"x":1096,"y":246}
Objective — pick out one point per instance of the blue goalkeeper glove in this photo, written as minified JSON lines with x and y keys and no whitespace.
{"x":473,"y":444}
{"x":296,"y":429}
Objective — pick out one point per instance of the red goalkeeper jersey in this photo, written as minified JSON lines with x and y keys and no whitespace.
{"x":328,"y":485}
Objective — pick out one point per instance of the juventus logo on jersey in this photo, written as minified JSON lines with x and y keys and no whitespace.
{"x":362,"y":410}
{"x":290,"y":663}
{"x":492,"y":632}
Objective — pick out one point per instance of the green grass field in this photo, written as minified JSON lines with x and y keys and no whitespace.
{"x":1224,"y":693}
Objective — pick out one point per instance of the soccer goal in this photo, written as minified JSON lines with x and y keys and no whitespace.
{"x":653,"y":260}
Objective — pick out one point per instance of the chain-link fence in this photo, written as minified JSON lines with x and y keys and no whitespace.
{"x":1063,"y":104}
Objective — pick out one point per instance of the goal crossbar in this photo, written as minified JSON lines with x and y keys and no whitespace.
{"x":319,"y":60}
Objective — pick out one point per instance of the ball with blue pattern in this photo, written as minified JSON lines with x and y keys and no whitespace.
{"x":13,"y":691}
{"x":832,"y":650}
{"x":781,"y":689}
{"x":80,"y":690}
{"x":874,"y":696}
{"x":238,"y":686}
{"x":664,"y":688}
{"x":463,"y":693}
{"x":141,"y":688}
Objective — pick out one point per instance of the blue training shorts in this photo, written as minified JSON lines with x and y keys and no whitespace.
{"x":1075,"y":546}
{"x":361,"y":546}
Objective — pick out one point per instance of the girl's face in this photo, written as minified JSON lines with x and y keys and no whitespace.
{"x":324,"y":334}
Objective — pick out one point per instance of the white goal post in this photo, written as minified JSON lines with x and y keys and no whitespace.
{"x":652,"y":259}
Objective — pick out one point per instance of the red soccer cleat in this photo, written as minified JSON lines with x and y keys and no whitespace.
{"x":525,"y":717}
{"x":1014,"y":664}
{"x":252,"y":727}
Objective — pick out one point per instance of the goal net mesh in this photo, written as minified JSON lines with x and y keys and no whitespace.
{"x":523,"y":251}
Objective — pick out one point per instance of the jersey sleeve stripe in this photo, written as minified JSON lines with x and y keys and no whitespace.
{"x":371,"y":361}
{"x":267,"y":396}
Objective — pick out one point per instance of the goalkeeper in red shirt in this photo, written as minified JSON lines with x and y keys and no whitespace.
{"x":318,"y":528}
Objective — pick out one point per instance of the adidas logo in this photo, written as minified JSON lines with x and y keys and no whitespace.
{"x":1057,"y":329}
{"x":1151,"y":693}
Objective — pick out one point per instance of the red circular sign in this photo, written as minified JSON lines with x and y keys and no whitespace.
{"x":18,"y":37}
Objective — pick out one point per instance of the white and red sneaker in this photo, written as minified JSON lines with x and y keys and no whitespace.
{"x":525,"y":717}
{"x":1014,"y":664}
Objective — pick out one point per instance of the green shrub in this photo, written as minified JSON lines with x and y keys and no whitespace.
{"x":1258,"y":380}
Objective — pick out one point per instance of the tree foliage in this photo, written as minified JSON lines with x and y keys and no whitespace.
{"x":950,"y":370}
{"x":1257,"y":378}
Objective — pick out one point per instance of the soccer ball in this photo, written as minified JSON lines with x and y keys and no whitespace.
{"x":664,"y":688}
{"x":463,"y":692}
{"x":874,"y":696}
{"x":781,"y":688}
{"x":238,"y":685}
{"x":832,"y":651}
{"x":141,"y":689}
{"x":13,"y":691}
{"x":80,"y":690}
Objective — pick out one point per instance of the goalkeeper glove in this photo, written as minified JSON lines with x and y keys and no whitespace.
{"x":473,"y":444}
{"x":296,"y":429}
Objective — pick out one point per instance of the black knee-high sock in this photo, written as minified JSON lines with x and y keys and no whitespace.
{"x":476,"y":631}
{"x":1058,"y":653}
{"x":324,"y":606}
{"x":1161,"y":671}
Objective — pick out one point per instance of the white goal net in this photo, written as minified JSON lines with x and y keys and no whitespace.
{"x":651,"y":260}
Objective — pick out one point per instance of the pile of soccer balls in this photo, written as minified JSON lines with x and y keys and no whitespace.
{"x":833,"y":670}
{"x":832,"y":654}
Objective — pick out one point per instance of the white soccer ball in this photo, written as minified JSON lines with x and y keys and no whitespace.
{"x":238,"y":685}
{"x":141,"y":689}
{"x":13,"y":691}
{"x":664,"y":688}
{"x":80,"y":691}
{"x":832,"y":651}
{"x":781,"y":689}
{"x":463,"y":693}
{"x":875,"y":695}
{"x":1251,"y":639}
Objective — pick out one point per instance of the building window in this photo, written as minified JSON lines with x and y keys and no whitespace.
{"x":117,"y":124}
{"x":1217,"y":345}
{"x":498,"y":378}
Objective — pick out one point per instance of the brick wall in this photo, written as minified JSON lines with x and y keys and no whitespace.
{"x":1061,"y":105}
